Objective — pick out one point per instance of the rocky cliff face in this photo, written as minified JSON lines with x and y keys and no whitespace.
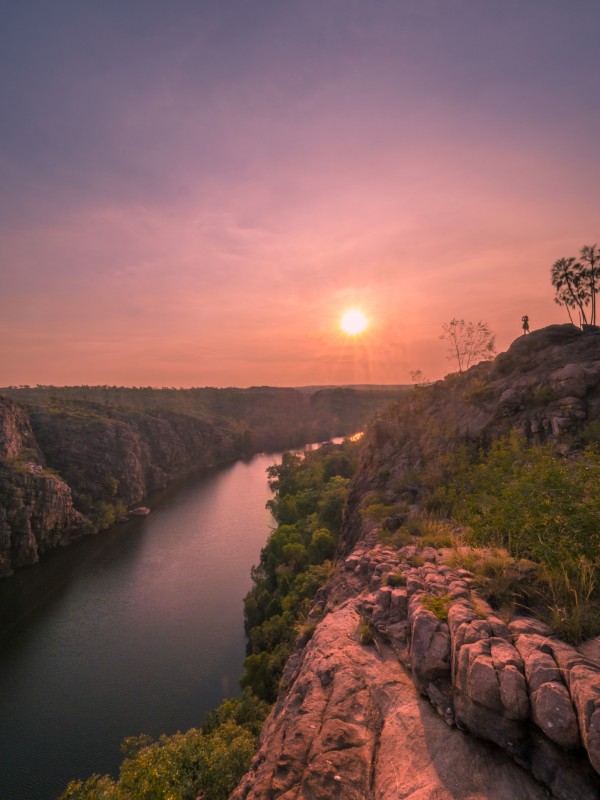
{"x":391,"y":698}
{"x":36,"y":506}
{"x":61,"y":469}
{"x":142,"y":451}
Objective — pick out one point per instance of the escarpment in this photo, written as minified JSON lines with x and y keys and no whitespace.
{"x":412,"y":685}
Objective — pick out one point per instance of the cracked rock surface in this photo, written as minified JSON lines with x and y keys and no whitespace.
{"x":353,"y":726}
{"x":467,"y":707}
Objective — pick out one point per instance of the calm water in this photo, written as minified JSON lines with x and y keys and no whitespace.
{"x":137,"y":629}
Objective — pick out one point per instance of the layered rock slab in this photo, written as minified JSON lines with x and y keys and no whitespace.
{"x":352,"y":725}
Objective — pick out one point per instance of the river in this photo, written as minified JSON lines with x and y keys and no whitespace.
{"x":138,"y":629}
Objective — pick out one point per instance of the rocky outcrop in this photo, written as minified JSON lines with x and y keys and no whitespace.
{"x":517,"y":711}
{"x":512,"y":684}
{"x":353,"y":726}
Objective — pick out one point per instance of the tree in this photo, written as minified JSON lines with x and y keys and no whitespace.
{"x":568,"y":278}
{"x":590,"y":255}
{"x":469,"y":342}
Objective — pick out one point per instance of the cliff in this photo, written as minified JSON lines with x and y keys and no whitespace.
{"x":73,"y":459}
{"x":412,"y":685}
{"x":36,"y":506}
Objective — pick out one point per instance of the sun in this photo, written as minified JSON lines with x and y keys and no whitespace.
{"x":353,"y":322}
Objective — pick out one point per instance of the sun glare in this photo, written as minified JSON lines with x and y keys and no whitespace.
{"x":353,"y":322}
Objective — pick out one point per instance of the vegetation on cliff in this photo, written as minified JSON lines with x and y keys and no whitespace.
{"x":311,"y":492}
{"x":541,"y":508}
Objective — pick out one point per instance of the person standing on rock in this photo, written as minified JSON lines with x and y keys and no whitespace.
{"x":525,"y":321}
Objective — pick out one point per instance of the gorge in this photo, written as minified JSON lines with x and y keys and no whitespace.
{"x":74,"y":459}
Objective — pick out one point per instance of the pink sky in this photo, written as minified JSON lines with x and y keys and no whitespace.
{"x":201,"y":207}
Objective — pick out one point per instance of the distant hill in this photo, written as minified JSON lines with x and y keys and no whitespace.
{"x":361,"y":387}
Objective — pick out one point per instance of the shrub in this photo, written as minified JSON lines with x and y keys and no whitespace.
{"x":380,"y":511}
{"x":366,"y":633}
{"x":437,"y":605}
{"x":399,"y":538}
{"x":306,"y":631}
{"x":532,"y":502}
{"x":479,"y":391}
{"x":542,"y":395}
{"x":202,"y":762}
{"x":395,"y":579}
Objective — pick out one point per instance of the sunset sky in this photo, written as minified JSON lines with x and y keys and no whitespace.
{"x":193,"y":192}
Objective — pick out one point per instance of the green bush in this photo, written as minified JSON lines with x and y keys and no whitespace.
{"x":437,"y":605}
{"x":205,"y":762}
{"x":532,"y":502}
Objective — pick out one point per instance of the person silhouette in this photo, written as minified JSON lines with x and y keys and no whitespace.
{"x":525,"y":321}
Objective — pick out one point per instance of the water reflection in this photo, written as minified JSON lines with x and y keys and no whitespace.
{"x":137,"y":629}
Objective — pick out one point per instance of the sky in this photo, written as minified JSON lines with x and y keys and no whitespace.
{"x":192,"y":192}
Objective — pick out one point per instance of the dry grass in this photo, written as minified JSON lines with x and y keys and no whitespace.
{"x":422,"y":530}
{"x":504,"y":582}
{"x":574,"y":606}
{"x":366,"y":634}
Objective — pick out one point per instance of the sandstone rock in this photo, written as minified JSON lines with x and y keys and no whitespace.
{"x":369,"y":735}
{"x":528,"y":625}
{"x":582,"y":677}
{"x":568,"y":776}
{"x":399,"y":602}
{"x":352,"y":562}
{"x":574,"y":379}
{"x":553,"y":712}
{"x":429,"y":645}
{"x":383,"y":597}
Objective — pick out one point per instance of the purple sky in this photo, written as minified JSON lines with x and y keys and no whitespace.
{"x":193,"y":192}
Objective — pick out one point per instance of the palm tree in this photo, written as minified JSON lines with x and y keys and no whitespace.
{"x":569,"y":280}
{"x":590,"y":255}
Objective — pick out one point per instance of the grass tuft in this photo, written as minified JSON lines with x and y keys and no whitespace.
{"x":437,"y":605}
